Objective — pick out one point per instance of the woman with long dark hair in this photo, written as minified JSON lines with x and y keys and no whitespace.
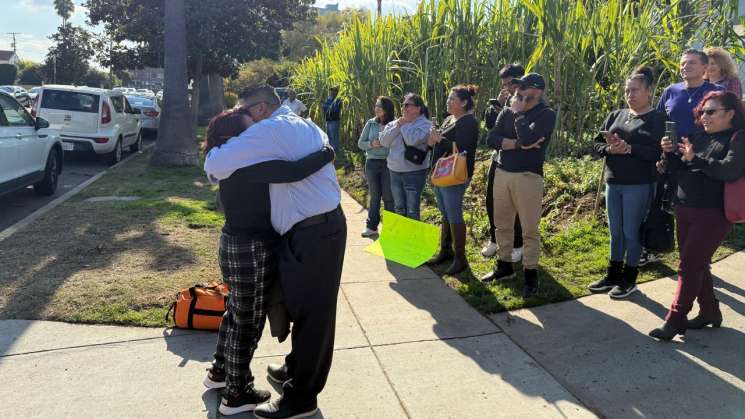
{"x":701,"y":165}
{"x":406,"y":139}
{"x":461,"y":129}
{"x":630,"y":142}
{"x":376,"y":170}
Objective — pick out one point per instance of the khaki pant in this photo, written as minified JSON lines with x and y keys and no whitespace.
{"x":521,"y":194}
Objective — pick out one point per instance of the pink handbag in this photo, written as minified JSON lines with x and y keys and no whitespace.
{"x":734,"y":201}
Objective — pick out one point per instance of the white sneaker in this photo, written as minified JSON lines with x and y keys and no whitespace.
{"x":369,"y":232}
{"x":489,"y":250}
{"x":517,"y":254}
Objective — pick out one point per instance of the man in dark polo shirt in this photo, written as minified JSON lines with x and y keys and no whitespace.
{"x":521,"y":135}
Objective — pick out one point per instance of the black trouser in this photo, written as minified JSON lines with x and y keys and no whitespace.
{"x":310,"y":265}
{"x":518,"y":241}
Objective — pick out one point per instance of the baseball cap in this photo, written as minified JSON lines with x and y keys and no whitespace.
{"x":531,"y":81}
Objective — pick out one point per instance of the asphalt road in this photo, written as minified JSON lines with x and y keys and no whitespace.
{"x":77,"y":169}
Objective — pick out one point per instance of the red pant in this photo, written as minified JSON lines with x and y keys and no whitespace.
{"x":700,"y":232}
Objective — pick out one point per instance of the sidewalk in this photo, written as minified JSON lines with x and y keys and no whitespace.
{"x":407,"y":347}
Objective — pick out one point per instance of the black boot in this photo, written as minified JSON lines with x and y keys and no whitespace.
{"x":502,"y":271}
{"x":611,"y":279}
{"x":627,"y":285}
{"x":531,"y":283}
{"x":671,"y":327}
{"x":458,"y":232}
{"x":446,"y":251}
{"x":713,"y":318}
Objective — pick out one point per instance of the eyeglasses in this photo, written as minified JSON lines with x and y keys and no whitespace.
{"x":407,"y":104}
{"x":711,"y":112}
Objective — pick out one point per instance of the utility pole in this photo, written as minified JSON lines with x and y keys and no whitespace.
{"x":14,"y":45}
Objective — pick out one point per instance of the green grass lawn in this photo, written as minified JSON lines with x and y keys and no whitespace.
{"x":574,"y":236}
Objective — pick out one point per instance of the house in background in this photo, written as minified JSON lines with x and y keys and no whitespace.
{"x":327,"y":9}
{"x":9,"y":57}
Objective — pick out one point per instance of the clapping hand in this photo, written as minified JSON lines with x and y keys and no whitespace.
{"x":686,"y":149}
{"x":535,"y":145}
{"x":375,"y":143}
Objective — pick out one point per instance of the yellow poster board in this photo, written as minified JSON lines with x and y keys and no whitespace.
{"x":405,"y":241}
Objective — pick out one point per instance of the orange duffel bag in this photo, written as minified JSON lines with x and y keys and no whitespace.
{"x":199,"y":307}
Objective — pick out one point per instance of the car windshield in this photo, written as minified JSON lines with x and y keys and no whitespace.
{"x":139,"y":101}
{"x":70,"y":101}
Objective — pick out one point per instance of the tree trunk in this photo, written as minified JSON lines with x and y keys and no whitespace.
{"x":176,"y":145}
{"x":196,"y":89}
{"x":212,"y":98}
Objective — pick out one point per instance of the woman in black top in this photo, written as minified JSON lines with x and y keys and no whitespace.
{"x":461,"y":129}
{"x":701,"y":166}
{"x":629,"y":140}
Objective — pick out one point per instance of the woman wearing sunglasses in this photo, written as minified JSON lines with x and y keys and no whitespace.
{"x":406,"y":140}
{"x":701,"y":164}
{"x":629,"y":141}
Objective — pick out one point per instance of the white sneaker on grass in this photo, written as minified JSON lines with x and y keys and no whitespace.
{"x":369,"y":232}
{"x":517,"y":254}
{"x":489,"y":250}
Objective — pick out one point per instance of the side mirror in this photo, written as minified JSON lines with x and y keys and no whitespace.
{"x":41,"y":123}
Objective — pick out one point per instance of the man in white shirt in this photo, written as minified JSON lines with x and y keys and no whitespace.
{"x":294,"y":103}
{"x":305,"y":213}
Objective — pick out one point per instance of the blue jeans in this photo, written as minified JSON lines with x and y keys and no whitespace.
{"x":332,"y":130}
{"x":379,"y":186}
{"x":407,"y":191}
{"x":450,"y":202}
{"x":627,"y":206}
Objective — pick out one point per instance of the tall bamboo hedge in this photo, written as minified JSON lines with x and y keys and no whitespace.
{"x":585,"y":49}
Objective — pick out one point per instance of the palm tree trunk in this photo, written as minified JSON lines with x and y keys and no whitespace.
{"x":176,"y":145}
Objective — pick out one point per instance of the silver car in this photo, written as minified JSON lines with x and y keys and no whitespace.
{"x":150,"y":116}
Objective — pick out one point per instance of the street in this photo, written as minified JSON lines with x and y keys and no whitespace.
{"x":77,"y":169}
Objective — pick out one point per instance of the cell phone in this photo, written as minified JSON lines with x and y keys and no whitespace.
{"x":671,"y":133}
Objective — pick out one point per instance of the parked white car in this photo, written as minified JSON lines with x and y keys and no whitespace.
{"x":150,"y":112}
{"x":19,"y":93}
{"x":90,"y":119}
{"x":145,"y":93}
{"x":126,"y":90}
{"x":30,"y":153}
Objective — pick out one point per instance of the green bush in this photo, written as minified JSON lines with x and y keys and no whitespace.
{"x":8,"y":74}
{"x":231,"y":99}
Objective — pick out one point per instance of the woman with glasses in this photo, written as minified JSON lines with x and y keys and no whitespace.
{"x":406,"y":139}
{"x":376,"y":170}
{"x":701,"y":165}
{"x":461,"y":129}
{"x":629,"y":141}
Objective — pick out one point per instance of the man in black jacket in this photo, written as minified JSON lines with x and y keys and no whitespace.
{"x":521,"y":134}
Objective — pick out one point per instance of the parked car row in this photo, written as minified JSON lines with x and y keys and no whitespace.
{"x":19,"y":93}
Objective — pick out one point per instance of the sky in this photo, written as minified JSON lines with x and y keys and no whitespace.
{"x":36,"y":20}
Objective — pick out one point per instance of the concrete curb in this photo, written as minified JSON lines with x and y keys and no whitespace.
{"x":69,"y":194}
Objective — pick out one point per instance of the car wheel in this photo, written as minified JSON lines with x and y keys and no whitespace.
{"x":116,"y":155}
{"x":48,"y":185}
{"x":137,"y":146}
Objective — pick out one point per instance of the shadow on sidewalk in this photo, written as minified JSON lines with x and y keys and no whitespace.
{"x":618,"y":371}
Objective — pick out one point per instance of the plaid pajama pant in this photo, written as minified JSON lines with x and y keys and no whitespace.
{"x":248,"y":266}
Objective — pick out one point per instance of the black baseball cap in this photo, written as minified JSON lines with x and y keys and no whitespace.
{"x":531,"y":81}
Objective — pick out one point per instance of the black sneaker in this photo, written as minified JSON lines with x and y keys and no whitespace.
{"x":215,"y":378}
{"x":281,"y":409}
{"x":610,"y":280}
{"x":245,"y":401}
{"x":622,"y":291}
{"x":503,"y":271}
{"x":277,"y":373}
{"x":531,"y":283}
{"x":647,"y":258}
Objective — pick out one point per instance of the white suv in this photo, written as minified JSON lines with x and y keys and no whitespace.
{"x":90,"y":119}
{"x":30,"y":153}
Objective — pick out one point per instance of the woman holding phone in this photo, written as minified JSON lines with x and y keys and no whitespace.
{"x":629,"y":142}
{"x":705,"y":161}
